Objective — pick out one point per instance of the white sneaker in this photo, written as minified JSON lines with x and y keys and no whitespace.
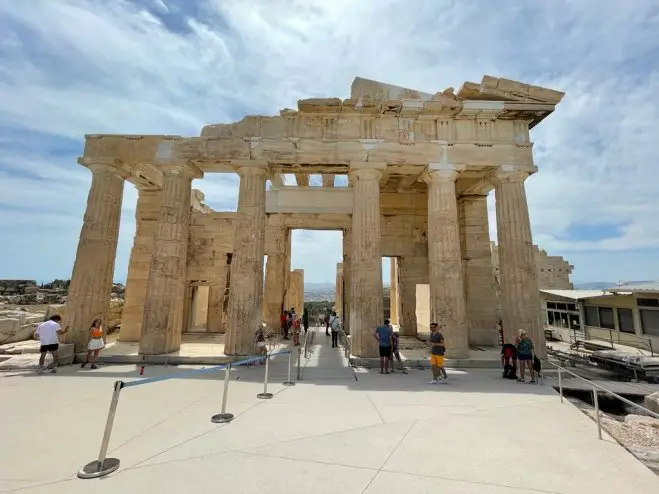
{"x":441,"y":380}
{"x":434,"y":381}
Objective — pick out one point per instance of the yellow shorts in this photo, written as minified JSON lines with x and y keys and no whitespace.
{"x":437,"y":360}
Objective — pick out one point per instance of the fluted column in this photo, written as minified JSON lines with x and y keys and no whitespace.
{"x":275,"y":275}
{"x":347,"y":279}
{"x":366,"y":310}
{"x":165,"y":295}
{"x":246,"y":294}
{"x":139,"y":266}
{"x":217,"y":291}
{"x":447,"y":299}
{"x":93,"y":269}
{"x":338,"y":299}
{"x":393,"y":291}
{"x":480,"y":291}
{"x":518,"y":277}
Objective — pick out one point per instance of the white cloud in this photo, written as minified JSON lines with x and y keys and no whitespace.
{"x":76,"y":66}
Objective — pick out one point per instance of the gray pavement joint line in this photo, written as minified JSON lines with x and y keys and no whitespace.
{"x":372,"y":403}
{"x":466,"y":481}
{"x":136,"y":465}
{"x":240,"y":450}
{"x":389,"y":456}
{"x":169,"y":417}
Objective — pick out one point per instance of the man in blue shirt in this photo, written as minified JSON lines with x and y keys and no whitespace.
{"x":384,"y":334}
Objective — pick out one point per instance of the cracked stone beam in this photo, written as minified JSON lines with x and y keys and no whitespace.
{"x":328,"y":180}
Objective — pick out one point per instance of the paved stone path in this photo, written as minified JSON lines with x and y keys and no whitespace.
{"x":337,"y":431}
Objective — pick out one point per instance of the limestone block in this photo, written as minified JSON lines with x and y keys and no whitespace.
{"x":8,"y":329}
{"x":651,"y":402}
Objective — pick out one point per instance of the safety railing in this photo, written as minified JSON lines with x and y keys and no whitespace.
{"x":595,"y":387}
{"x":345,"y":341}
{"x":306,"y":344}
{"x":103,"y":465}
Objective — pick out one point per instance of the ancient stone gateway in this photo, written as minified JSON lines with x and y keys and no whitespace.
{"x":419,"y":168}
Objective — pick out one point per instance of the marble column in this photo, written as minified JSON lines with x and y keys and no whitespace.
{"x":93,"y":269}
{"x":411,"y":272}
{"x":275,"y":276}
{"x":246,"y":294}
{"x":162,"y":323}
{"x":447,"y":298}
{"x":147,"y":213}
{"x":366,"y":310}
{"x":217,"y":291}
{"x":393,"y":291}
{"x":338,"y":290}
{"x":347,"y":279}
{"x":480,"y":291}
{"x":518,"y":277}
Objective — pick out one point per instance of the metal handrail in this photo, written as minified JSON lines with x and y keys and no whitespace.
{"x":345,"y":342}
{"x":595,"y":398}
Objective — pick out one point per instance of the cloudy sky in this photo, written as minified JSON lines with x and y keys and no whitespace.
{"x":70,"y":67}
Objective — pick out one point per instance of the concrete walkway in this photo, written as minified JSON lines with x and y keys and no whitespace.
{"x":337,"y":431}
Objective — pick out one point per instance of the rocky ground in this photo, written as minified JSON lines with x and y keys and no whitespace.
{"x":639,"y":434}
{"x":24,"y":305}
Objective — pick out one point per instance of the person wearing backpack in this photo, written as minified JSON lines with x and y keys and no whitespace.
{"x":335,"y":324}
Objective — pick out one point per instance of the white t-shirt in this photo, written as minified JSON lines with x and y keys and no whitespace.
{"x":47,"y":332}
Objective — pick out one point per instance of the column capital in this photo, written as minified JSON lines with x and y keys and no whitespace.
{"x":441,"y":172}
{"x":104,"y":165}
{"x":511,"y":173}
{"x":250,"y":168}
{"x":367,"y":169}
{"x":181,"y":168}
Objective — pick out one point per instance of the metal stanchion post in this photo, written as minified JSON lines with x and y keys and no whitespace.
{"x":299,"y":358}
{"x":289,"y":382}
{"x":223,"y":416}
{"x":104,"y":466}
{"x":597,"y":412}
{"x":560,"y":383}
{"x":265,"y":395}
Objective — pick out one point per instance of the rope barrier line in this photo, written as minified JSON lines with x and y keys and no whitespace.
{"x":177,"y":375}
{"x":103,"y":466}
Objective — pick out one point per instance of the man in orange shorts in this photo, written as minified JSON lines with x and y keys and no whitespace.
{"x":436,"y":341}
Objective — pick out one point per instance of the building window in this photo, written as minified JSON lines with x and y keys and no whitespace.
{"x":647,"y":302}
{"x":592,"y":316}
{"x":625,"y":320}
{"x":551,"y":305}
{"x":572,"y":307}
{"x":650,"y":321}
{"x":574,"y":322}
{"x":606,"y":318}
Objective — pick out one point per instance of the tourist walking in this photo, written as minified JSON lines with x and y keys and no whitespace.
{"x":395,"y":353}
{"x":295,"y":325}
{"x":437,"y":350}
{"x":383,"y":334}
{"x":48,"y":334}
{"x":327,"y":323}
{"x":335,"y":325}
{"x":525,"y":355}
{"x":95,"y":345}
{"x":283,"y":324}
{"x":305,"y":320}
{"x":259,"y":343}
